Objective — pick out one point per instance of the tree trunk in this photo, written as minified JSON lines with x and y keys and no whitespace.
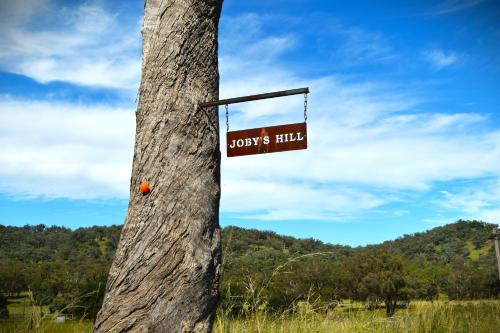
{"x":497,"y":251}
{"x":165,"y":274}
{"x":390,"y":307}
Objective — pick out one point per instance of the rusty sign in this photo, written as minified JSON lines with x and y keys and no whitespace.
{"x":267,"y":140}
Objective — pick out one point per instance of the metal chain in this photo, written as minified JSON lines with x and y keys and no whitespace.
{"x":305,"y":107}
{"x":227,"y":118}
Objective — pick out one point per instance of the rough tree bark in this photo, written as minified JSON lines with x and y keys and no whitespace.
{"x":165,"y":274}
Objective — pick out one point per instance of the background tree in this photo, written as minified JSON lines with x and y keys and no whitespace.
{"x":73,"y":269}
{"x":4,"y":311}
{"x":380,"y":278}
{"x":165,"y":274}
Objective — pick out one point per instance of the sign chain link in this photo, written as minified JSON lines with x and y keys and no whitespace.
{"x":305,"y":107}
{"x":227,"y":118}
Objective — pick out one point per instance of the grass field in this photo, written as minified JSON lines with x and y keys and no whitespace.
{"x":471,"y":316}
{"x":26,"y":318}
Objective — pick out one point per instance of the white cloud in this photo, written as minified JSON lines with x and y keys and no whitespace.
{"x":474,"y":201}
{"x":364,"y":46}
{"x":88,"y":47}
{"x":65,"y":150}
{"x":91,"y":18}
{"x":441,"y":59}
{"x":364,"y":134}
{"x":368,"y":139}
{"x":378,"y":155}
{"x":19,"y":11}
{"x":364,"y":137}
{"x":292,"y":201}
{"x":269,"y":48}
{"x":99,"y":72}
{"x":451,"y":6}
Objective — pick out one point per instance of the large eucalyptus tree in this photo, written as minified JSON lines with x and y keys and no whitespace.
{"x":165,"y":275}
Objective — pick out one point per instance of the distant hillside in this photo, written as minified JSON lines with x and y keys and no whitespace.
{"x":35,"y":244}
{"x":460,"y":240}
{"x":463,"y":239}
{"x":239,"y":241}
{"x":64,"y":267}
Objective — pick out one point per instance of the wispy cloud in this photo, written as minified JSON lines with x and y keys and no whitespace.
{"x":474,"y":201}
{"x":364,"y":137}
{"x":19,"y":11}
{"x":87,"y":48}
{"x":361,"y":46}
{"x":368,"y":138}
{"x":441,"y":59}
{"x":52,"y":149}
{"x":451,"y":6}
{"x":294,"y":201}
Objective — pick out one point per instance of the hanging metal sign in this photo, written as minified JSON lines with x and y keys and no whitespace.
{"x":267,"y":140}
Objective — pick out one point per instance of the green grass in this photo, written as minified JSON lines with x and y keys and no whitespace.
{"x":467,"y":317}
{"x":420,"y":317}
{"x":47,"y":326}
{"x":17,"y":306}
{"x":21,"y":306}
{"x":102,"y":244}
{"x":474,"y":253}
{"x":26,"y":318}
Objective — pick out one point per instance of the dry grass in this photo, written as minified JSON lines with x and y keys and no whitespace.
{"x":474,"y":316}
{"x":439,"y":316}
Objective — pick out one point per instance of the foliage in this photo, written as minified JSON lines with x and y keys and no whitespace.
{"x":263,"y":271}
{"x":347,"y":317}
{"x":65,"y":269}
{"x":4,"y":311}
{"x":381,"y":278}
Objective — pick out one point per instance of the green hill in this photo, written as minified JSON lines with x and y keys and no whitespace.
{"x":37,"y":244}
{"x":463,"y":239}
{"x":61,"y":266}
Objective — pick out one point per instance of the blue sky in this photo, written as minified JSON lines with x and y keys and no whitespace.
{"x":404,"y":118}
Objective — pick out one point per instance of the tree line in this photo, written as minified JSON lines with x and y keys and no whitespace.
{"x":67,"y":269}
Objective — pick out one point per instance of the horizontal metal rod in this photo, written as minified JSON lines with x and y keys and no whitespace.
{"x":256,"y":97}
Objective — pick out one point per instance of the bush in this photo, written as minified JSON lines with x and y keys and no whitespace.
{"x":4,"y":311}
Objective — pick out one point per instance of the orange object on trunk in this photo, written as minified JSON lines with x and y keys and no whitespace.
{"x":144,"y":188}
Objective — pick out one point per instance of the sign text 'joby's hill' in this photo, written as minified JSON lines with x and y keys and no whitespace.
{"x":267,"y":140}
